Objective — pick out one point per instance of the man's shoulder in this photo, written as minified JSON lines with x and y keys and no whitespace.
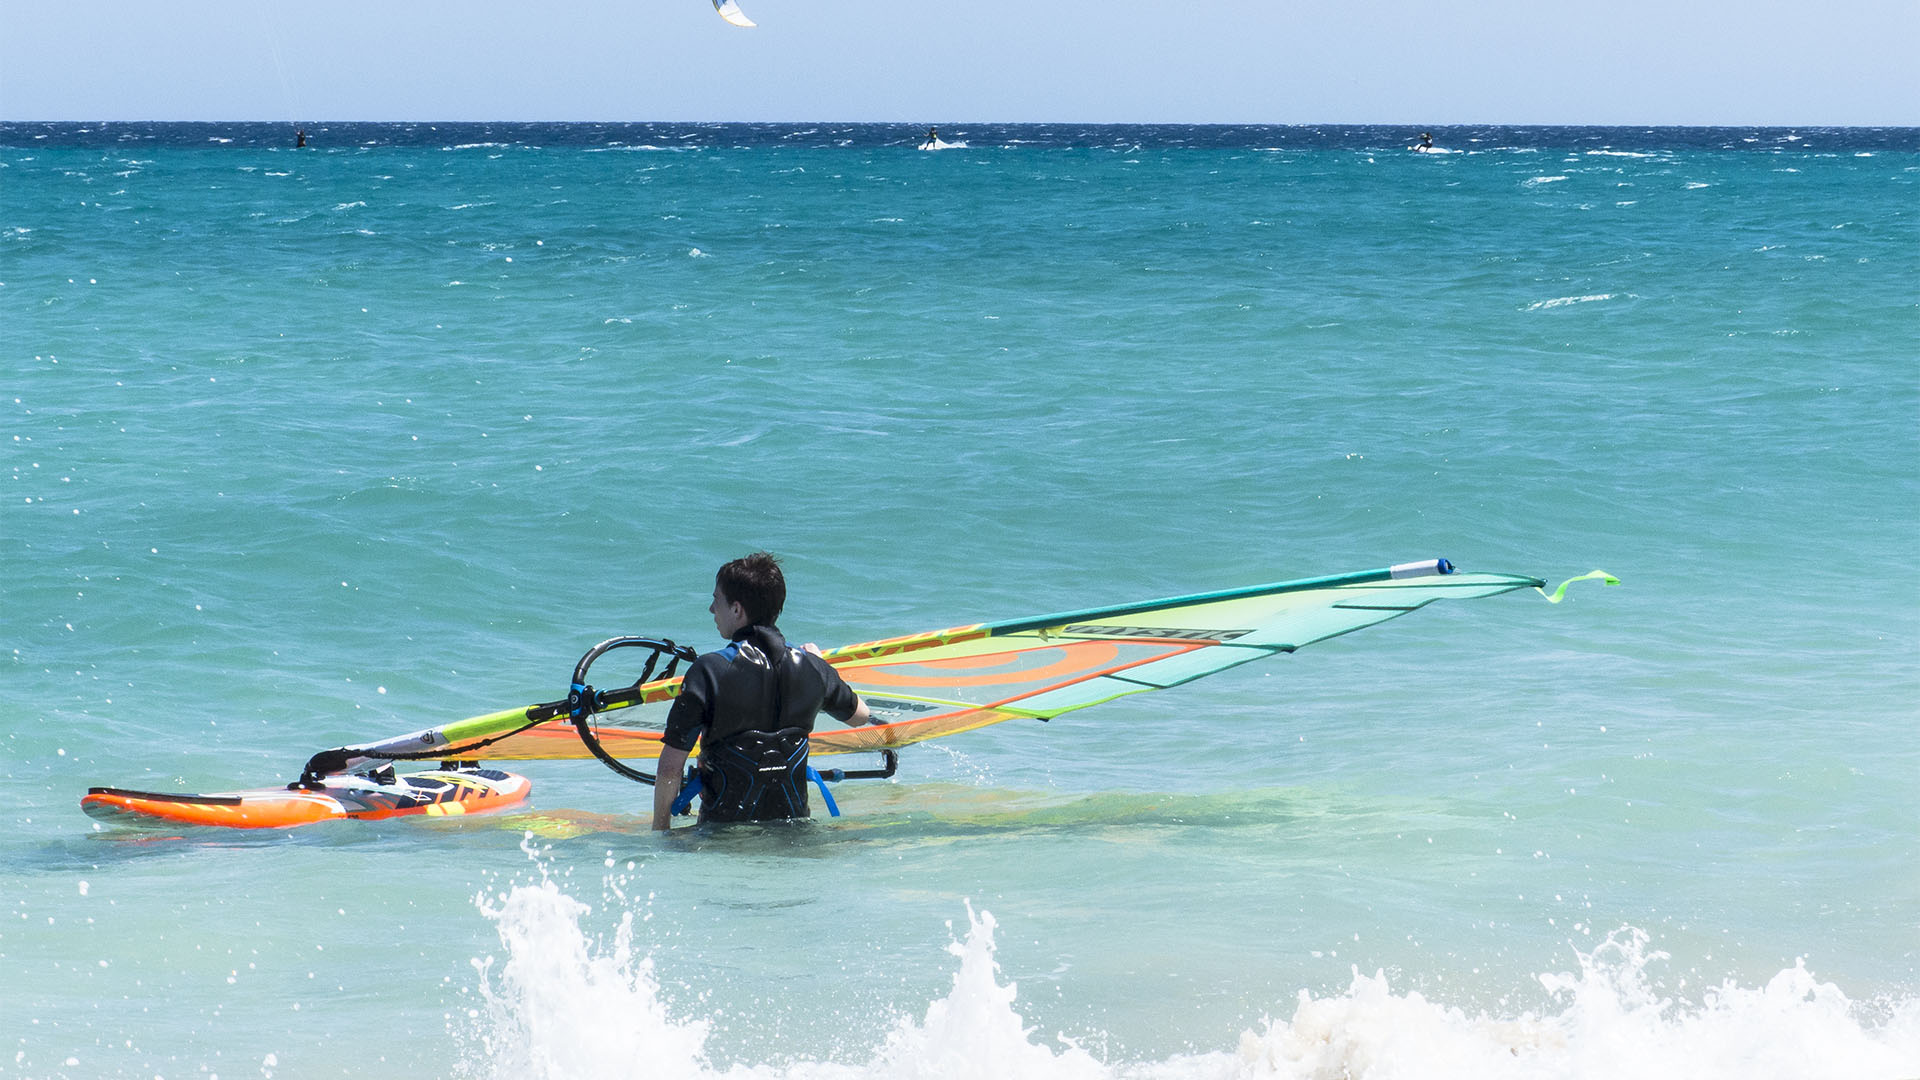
{"x":706,"y":668}
{"x":707,"y":661}
{"x":819,"y":663}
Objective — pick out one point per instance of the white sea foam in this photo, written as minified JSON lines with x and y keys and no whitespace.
{"x":560,"y":1006}
{"x":1546,"y":179}
{"x":557,"y":1008}
{"x":1563,"y":301}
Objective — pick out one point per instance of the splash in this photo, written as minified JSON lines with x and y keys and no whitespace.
{"x":563,"y":1006}
{"x":1615,"y":1023}
{"x":974,"y":1030}
{"x":559,"y":1007}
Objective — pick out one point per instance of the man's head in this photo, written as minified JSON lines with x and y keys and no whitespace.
{"x":748,"y":591}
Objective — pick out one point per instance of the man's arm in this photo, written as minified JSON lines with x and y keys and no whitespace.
{"x":861,"y":714}
{"x":666,"y":785}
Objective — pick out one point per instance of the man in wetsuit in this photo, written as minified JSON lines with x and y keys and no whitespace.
{"x":750,"y":706}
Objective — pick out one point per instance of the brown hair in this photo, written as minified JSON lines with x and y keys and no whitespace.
{"x":756,"y":584}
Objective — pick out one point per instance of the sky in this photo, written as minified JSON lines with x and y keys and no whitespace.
{"x":1418,"y":62}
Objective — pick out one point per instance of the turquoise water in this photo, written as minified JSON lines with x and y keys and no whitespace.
{"x":316,"y":447}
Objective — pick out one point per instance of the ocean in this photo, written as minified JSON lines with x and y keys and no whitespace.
{"x":317,"y":446}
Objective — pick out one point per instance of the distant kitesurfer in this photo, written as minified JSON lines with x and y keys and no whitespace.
{"x":1426,"y":141}
{"x":750,"y":706}
{"x":299,"y":138}
{"x":933,"y":136}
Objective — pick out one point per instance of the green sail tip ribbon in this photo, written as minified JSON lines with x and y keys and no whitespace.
{"x":1560,"y":593}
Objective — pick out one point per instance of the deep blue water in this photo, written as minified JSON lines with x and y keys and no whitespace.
{"x":550,"y":136}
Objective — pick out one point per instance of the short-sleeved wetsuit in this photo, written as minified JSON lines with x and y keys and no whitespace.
{"x":751,"y":706}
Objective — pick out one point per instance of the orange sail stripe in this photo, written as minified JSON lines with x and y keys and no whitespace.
{"x":1004,"y":665}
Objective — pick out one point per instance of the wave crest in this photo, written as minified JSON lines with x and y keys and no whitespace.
{"x":561,"y":1007}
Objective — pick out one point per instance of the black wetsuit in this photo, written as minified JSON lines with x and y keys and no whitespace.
{"x":751,"y":706}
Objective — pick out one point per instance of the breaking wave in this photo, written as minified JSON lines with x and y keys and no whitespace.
{"x":561,"y":1005}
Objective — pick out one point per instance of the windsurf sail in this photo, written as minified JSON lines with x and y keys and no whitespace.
{"x":731,"y":12}
{"x":945,"y":682}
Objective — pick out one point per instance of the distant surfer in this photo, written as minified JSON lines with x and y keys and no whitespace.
{"x":1426,"y":142}
{"x":299,"y":138}
{"x":933,"y":138}
{"x":750,"y":707}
